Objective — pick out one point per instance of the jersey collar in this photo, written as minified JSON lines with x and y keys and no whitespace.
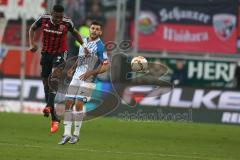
{"x":53,"y":23}
{"x":94,"y":40}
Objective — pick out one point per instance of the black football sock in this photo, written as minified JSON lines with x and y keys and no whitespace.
{"x":51,"y":98}
{"x":46,"y":91}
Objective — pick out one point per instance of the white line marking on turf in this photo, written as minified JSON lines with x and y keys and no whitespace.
{"x":109,"y":151}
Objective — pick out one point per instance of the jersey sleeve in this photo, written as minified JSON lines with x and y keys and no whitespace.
{"x":38,"y":22}
{"x":102,"y":53}
{"x":70,"y":25}
{"x":81,"y":50}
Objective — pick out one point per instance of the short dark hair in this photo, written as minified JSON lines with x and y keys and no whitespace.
{"x":58,"y":8}
{"x":94,"y":22}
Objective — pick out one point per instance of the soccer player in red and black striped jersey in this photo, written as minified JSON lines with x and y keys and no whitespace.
{"x":54,"y":28}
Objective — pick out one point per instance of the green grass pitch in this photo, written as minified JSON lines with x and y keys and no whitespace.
{"x":27,"y":137}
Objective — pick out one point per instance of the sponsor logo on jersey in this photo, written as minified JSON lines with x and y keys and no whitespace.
{"x":51,"y":31}
{"x":61,"y":28}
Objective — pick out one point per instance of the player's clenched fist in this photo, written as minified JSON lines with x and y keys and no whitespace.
{"x":33,"y":48}
{"x":85,"y":76}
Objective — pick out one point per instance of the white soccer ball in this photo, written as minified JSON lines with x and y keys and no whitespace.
{"x":139,"y":64}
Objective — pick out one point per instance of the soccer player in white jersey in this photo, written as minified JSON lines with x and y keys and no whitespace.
{"x":86,"y":69}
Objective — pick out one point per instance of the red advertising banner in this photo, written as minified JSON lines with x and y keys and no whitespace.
{"x":188,"y":38}
{"x":3,"y":2}
{"x":188,"y":26}
{"x":10,"y":63}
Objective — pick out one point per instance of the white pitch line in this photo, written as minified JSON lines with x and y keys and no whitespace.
{"x":109,"y":151}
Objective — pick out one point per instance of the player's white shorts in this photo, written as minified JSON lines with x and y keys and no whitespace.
{"x":81,"y":90}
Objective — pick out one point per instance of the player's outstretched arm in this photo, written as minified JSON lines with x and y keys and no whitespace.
{"x":100,"y":69}
{"x":78,"y":37}
{"x":32,"y":43}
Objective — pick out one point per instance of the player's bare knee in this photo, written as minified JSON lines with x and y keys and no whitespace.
{"x":56,"y":72}
{"x":68,"y":104}
{"x":79,"y":105}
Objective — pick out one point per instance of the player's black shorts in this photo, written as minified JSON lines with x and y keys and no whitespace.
{"x":49,"y":61}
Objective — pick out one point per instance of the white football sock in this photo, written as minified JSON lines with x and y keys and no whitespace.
{"x":68,"y":116}
{"x":78,"y":117}
{"x":77,"y":128}
{"x":67,"y":128}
